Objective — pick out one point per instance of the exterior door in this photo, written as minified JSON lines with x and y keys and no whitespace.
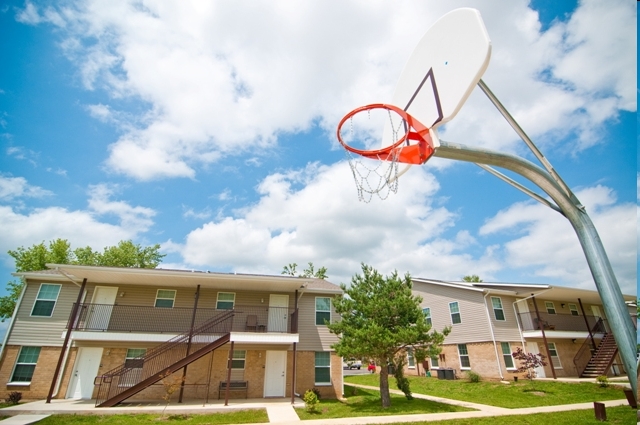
{"x":278,"y":313}
{"x":525,"y":316}
{"x":84,"y":372}
{"x":532,"y":347}
{"x":101,"y":306}
{"x":275,"y":373}
{"x":598,"y":315}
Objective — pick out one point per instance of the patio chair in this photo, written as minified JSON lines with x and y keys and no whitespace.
{"x":252,"y":323}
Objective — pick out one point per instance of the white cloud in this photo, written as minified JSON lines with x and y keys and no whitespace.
{"x":544,"y":241}
{"x":17,"y":187}
{"x":226,"y":77}
{"x":312,"y":215}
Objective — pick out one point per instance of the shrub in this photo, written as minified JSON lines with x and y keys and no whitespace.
{"x":401,"y":381}
{"x":316,"y":392}
{"x":603,"y":381}
{"x":528,"y":362}
{"x":311,"y":401}
{"x":473,"y":376}
{"x":14,"y":397}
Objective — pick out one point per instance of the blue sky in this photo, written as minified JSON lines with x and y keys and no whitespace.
{"x":209,"y":128}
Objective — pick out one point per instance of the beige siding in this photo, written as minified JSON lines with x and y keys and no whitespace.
{"x":504,"y":330}
{"x":43,"y":331}
{"x":474,"y":326}
{"x":313,"y":337}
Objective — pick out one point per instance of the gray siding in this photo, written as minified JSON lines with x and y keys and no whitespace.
{"x":504,"y":330}
{"x":43,"y":331}
{"x":474,"y":326}
{"x":314,"y":337}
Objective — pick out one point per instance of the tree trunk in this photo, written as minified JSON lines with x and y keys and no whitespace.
{"x":384,"y":386}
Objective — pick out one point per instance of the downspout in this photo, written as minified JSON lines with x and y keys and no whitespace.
{"x":544,"y":337}
{"x":524,"y":347}
{"x":493,"y":337}
{"x":295,"y":352}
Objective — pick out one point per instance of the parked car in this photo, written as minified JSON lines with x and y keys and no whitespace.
{"x":352,"y":364}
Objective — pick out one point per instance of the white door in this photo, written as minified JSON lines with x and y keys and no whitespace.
{"x":278,"y":313}
{"x":532,"y":347}
{"x":84,"y":372}
{"x":596,"y":312}
{"x":102,"y":304}
{"x":275,"y":373}
{"x":525,"y":316}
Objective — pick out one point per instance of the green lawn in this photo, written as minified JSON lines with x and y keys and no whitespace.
{"x":239,"y":417}
{"x":367,"y":403}
{"x":622,"y":415}
{"x":524,"y":393}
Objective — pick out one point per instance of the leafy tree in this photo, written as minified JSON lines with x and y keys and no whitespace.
{"x":125,"y":254}
{"x":291,"y":270}
{"x":472,"y":278}
{"x":528,"y":362}
{"x":380,"y":319}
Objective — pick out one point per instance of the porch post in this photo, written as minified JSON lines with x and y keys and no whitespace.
{"x":193,"y":319}
{"x":586,"y":322}
{"x":544,"y":337}
{"x":226,"y":394}
{"x":70,"y":326}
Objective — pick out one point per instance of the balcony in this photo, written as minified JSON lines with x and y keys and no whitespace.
{"x":146,"y":319}
{"x":556,"y":322}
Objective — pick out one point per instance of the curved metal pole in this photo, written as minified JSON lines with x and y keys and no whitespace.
{"x":597,"y":259}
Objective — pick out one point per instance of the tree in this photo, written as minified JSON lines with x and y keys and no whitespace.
{"x":125,"y":254}
{"x":528,"y":362}
{"x":380,"y":320}
{"x":290,"y":270}
{"x":472,"y":278}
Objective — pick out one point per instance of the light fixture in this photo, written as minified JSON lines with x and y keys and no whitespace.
{"x":573,"y":340}
{"x":262,"y":300}
{"x":122,"y":294}
{"x":562,"y":305}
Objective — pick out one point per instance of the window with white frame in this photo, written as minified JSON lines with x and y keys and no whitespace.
{"x":411,"y":361}
{"x":323,"y":310}
{"x":133,"y":362}
{"x":551,"y":309}
{"x":498,"y":311}
{"x":427,"y":315}
{"x":238,"y":359}
{"x":574,"y":310}
{"x":463,"y":353}
{"x":165,"y":298}
{"x":323,"y":368}
{"x":435,"y":362}
{"x":555,"y":359}
{"x":46,"y":300}
{"x":506,"y":355}
{"x":454,"y":309}
{"x":226,"y":301}
{"x":25,"y":365}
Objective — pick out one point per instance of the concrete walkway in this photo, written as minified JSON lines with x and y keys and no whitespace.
{"x":279,"y":411}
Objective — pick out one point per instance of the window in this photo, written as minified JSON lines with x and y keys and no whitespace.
{"x":555,"y":359}
{"x":464,"y":356}
{"x":26,"y":364}
{"x":427,"y":315}
{"x":574,"y":310}
{"x":506,"y":354}
{"x":411,"y":361}
{"x":551,"y":309}
{"x":498,"y":312}
{"x":133,"y":361}
{"x":435,"y":363}
{"x":323,"y":368}
{"x":239,"y":356}
{"x":165,"y":298}
{"x":323,"y":310}
{"x":46,"y":300}
{"x":226,"y":301}
{"x":455,"y":312}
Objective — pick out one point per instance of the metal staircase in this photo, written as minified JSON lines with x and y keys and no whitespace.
{"x":602,"y":359}
{"x":137,"y":374}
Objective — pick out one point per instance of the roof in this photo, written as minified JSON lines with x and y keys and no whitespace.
{"x":523,"y":290}
{"x":182,"y":278}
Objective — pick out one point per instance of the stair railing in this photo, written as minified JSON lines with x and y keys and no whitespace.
{"x":587,"y":351}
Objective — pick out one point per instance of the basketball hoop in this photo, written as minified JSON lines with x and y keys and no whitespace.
{"x":409,"y":142}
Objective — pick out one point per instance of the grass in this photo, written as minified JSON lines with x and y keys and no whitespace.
{"x":367,"y":403}
{"x":621,"y":415}
{"x":523,"y":393}
{"x":238,"y":417}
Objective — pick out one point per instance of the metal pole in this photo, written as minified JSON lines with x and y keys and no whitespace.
{"x":544,"y":337}
{"x":586,"y":322}
{"x":597,"y":259}
{"x":193,"y":320}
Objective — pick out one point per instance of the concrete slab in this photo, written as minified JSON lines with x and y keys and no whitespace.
{"x":282,"y":413}
{"x":24,"y":419}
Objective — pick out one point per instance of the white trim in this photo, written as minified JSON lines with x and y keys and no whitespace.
{"x":315,"y":315}
{"x":466,"y":355}
{"x":557,"y":334}
{"x":55,"y":302}
{"x":225,"y":301}
{"x":173,"y":300}
{"x":452,"y":313}
{"x":504,"y":316}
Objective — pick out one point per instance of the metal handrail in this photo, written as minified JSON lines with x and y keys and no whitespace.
{"x":558,"y":322}
{"x":586,"y":351}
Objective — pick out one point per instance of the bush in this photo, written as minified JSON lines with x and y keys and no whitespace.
{"x":603,"y":381}
{"x":316,"y":392}
{"x":14,"y":397}
{"x":311,"y":401}
{"x":473,"y":376}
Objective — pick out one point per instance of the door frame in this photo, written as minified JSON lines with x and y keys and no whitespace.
{"x":270,"y":373}
{"x":101,"y":320}
{"x":89,"y":373}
